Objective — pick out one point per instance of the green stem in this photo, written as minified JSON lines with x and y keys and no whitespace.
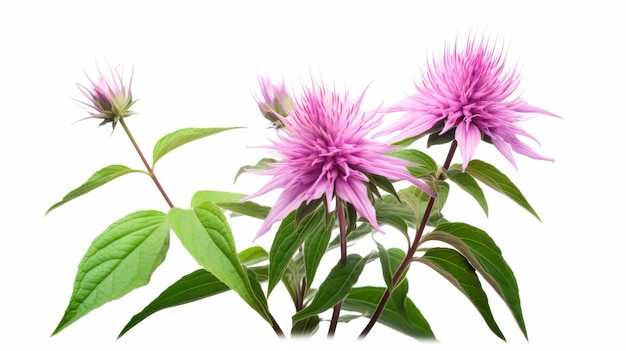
{"x":409,"y":256}
{"x":146,"y":164}
{"x":344,"y":257}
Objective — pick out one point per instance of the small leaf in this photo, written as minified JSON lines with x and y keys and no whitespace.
{"x":485,"y":256}
{"x":315,"y":246}
{"x":118,"y":261}
{"x":437,"y":139}
{"x":388,"y":271}
{"x":406,"y":319}
{"x":262,"y":165}
{"x":305,"y":327}
{"x":206,"y":235}
{"x":422,"y":163}
{"x":214,"y":197}
{"x":495,"y":179}
{"x":98,"y":179}
{"x":336,"y":286}
{"x":455,"y":268}
{"x":194,"y":286}
{"x":288,"y":240}
{"x":181,"y":137}
{"x":253,"y":255}
{"x":469,"y":184}
{"x":230,"y":202}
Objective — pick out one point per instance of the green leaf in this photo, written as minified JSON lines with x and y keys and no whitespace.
{"x":315,"y":246}
{"x":262,"y":165}
{"x":458,"y":271}
{"x":336,"y":286}
{"x":469,"y":184}
{"x":423,"y":164}
{"x":418,"y":200}
{"x":485,"y":256}
{"x":495,"y":179}
{"x":230,"y":202}
{"x":181,"y":137}
{"x":385,"y":263}
{"x":253,"y":255}
{"x":195,"y":286}
{"x":99,"y":178}
{"x":436,"y":139}
{"x":214,"y":197}
{"x":305,"y":327}
{"x":406,"y":319}
{"x":206,"y":235}
{"x":288,"y":240}
{"x":118,"y":261}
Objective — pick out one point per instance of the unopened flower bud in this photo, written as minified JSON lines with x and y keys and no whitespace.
{"x":109,"y":98}
{"x":276,"y":101}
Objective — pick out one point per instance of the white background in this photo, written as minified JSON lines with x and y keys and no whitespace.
{"x":196,"y":65}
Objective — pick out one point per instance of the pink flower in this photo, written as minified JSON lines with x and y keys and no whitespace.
{"x":108,"y":97}
{"x":326,"y":152}
{"x":276,"y":101}
{"x":469,"y":93}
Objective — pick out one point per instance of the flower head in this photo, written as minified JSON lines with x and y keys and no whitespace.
{"x":326,"y":151}
{"x":469,"y":93}
{"x":109,"y":97}
{"x":276,"y":101}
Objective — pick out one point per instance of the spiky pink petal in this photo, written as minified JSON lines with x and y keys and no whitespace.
{"x":469,"y":89}
{"x":326,"y":150}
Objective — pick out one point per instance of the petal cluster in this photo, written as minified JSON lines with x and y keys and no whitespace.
{"x":469,"y":92}
{"x":325,"y":151}
{"x":108,"y":97}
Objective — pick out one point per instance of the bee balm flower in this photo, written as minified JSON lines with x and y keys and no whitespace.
{"x":108,"y":97}
{"x":469,"y":93}
{"x":326,"y":151}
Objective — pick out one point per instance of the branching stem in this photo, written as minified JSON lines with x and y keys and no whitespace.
{"x":409,"y":256}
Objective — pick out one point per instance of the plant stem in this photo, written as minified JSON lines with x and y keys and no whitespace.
{"x":276,"y":327}
{"x":146,"y":164}
{"x":344,"y":257}
{"x":409,"y":256}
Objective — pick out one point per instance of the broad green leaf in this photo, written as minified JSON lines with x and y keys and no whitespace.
{"x":253,"y":255}
{"x":288,"y":240}
{"x":230,"y":202}
{"x":262,"y":165}
{"x":485,"y":256}
{"x":98,"y":179}
{"x":391,"y":214}
{"x":492,"y":177}
{"x":469,"y":184}
{"x":396,"y":256}
{"x":305,"y":327}
{"x":292,"y":280}
{"x":385,"y":264}
{"x":195,"y":286}
{"x":118,"y":261}
{"x":206,"y":235}
{"x":457,"y":270}
{"x":315,"y":246}
{"x":422,"y":163}
{"x":181,"y":137}
{"x":335,"y":287}
{"x":406,"y":319}
{"x":214,"y":196}
{"x":438,"y":139}
{"x":417,"y":201}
